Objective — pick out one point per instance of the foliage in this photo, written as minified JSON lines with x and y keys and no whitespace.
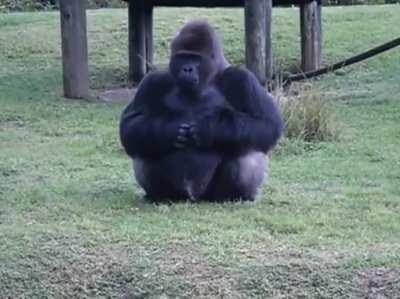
{"x":23,"y":5}
{"x":29,"y":5}
{"x":358,"y":2}
{"x":308,"y":115}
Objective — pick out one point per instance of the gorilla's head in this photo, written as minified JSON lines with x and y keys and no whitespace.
{"x":196,"y":56}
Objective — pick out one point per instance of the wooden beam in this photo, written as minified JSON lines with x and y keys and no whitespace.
{"x":214,"y":3}
{"x":268,"y":41}
{"x":196,"y":3}
{"x":137,"y":41}
{"x":149,"y":38}
{"x":310,"y":41}
{"x":74,"y":48}
{"x":255,"y":37}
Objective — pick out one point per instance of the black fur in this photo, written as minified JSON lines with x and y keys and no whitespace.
{"x":200,"y":129}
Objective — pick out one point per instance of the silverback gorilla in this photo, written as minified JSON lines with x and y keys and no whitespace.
{"x":201,"y":129}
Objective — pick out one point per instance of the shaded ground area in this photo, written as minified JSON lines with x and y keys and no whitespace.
{"x":62,"y":268}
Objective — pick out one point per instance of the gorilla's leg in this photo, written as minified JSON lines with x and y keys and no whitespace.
{"x":239,"y":178}
{"x":152,"y":179}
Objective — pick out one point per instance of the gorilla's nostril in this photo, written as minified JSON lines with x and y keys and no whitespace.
{"x":187,"y":69}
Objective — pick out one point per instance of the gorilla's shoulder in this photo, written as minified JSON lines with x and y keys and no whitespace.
{"x":152,"y":89}
{"x":157,"y":81}
{"x":238,"y":74}
{"x":233,"y":79}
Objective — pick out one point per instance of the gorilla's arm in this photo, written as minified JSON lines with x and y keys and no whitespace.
{"x":144,"y":128}
{"x":254,"y":122}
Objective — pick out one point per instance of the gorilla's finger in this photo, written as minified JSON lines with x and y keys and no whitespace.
{"x":179,"y":145}
{"x":183,"y":131}
{"x":180,"y":142}
{"x":194,"y":135}
{"x":193,"y":131}
{"x":184,"y":126}
{"x":182,"y":139}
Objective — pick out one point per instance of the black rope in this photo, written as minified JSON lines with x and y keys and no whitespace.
{"x":357,"y":58}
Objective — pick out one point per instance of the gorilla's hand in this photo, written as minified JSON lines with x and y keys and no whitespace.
{"x":201,"y":132}
{"x":183,"y":137}
{"x":219,"y":130}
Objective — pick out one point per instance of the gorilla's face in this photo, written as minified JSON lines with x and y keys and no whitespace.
{"x":191,"y":71}
{"x":196,"y":57}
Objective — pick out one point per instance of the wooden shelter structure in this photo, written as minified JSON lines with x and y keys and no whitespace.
{"x":258,"y":22}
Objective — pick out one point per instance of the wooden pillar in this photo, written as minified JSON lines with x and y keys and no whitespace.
{"x":149,"y":38}
{"x":74,"y":48}
{"x":268,"y":41}
{"x":310,"y":40}
{"x":137,"y":41}
{"x":319,"y":16}
{"x":255,"y":37}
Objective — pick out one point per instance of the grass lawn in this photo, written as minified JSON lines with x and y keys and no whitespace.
{"x":72,"y":222}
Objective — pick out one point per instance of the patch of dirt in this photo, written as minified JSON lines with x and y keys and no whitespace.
{"x":378,"y":283}
{"x":139,"y":272}
{"x":202,"y":278}
{"x":119,"y":95}
{"x":286,"y":256}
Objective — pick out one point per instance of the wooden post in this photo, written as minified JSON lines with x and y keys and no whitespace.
{"x":319,"y":16}
{"x":137,"y":41}
{"x":310,"y":41}
{"x":255,"y":37}
{"x":74,"y":48}
{"x":149,"y":38}
{"x":268,"y":41}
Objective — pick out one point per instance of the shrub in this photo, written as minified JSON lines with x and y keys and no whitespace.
{"x":308,"y":115}
{"x":29,"y":5}
{"x":22,"y":5}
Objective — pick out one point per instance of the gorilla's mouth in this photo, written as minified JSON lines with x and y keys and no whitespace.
{"x":188,"y":83}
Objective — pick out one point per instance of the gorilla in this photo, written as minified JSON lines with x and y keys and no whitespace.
{"x":201,"y":129}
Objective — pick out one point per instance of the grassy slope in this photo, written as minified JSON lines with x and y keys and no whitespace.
{"x":72,"y":222}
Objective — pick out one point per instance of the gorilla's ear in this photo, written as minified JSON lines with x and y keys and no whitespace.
{"x":200,"y":38}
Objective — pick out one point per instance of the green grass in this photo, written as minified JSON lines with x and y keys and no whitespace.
{"x":72,"y":222}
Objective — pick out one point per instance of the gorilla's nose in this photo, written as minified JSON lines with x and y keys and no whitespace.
{"x":188,"y":69}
